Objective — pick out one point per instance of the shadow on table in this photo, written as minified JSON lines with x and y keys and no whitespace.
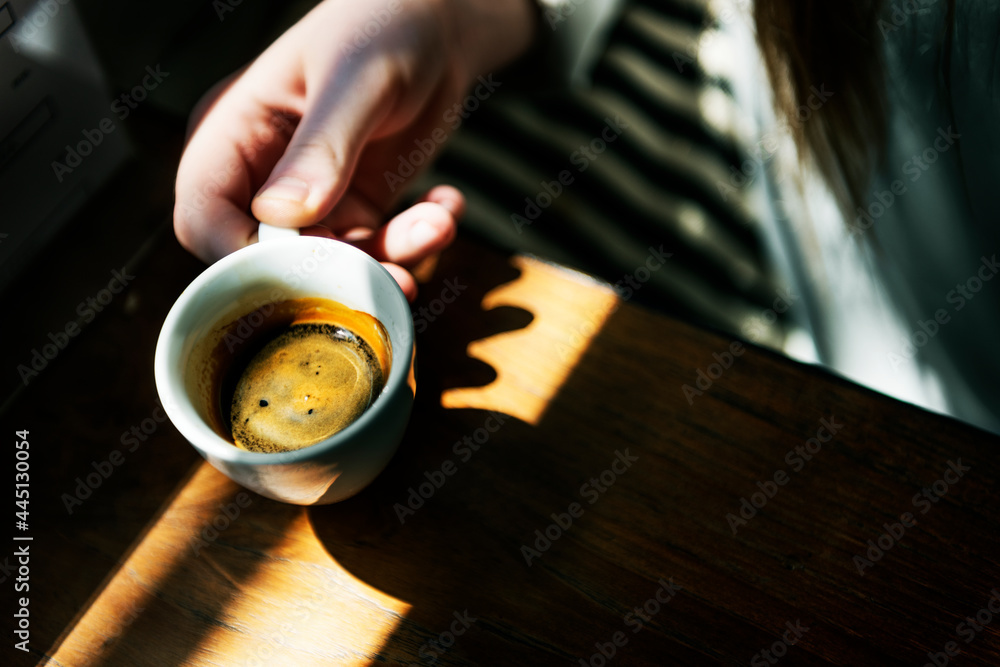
{"x":488,"y":559}
{"x":480,"y":553}
{"x":462,"y":548}
{"x":561,"y":541}
{"x":222,"y":577}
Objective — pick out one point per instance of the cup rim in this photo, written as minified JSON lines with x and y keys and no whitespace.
{"x":217,"y":447}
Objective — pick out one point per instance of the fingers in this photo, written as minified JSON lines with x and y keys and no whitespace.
{"x":413,"y":235}
{"x":213,"y":230}
{"x":303,"y":165}
{"x":404,"y":279}
{"x":360,"y":107}
{"x":316,"y":167}
{"x":419,"y":231}
{"x":449,"y":197}
{"x":355,"y":211}
{"x":229,"y":154}
{"x":216,"y":177}
{"x":281,"y":143}
{"x":208,"y":100}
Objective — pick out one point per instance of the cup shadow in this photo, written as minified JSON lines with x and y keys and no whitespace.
{"x":428,"y":530}
{"x":497,"y":568}
{"x":225,"y":565}
{"x":456,"y":557}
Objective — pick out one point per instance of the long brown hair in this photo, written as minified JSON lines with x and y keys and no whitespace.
{"x":807,"y":43}
{"x":836,"y":45}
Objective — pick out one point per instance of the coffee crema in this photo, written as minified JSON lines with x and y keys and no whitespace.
{"x":292,"y":373}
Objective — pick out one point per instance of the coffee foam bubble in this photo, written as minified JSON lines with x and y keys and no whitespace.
{"x":306,"y":384}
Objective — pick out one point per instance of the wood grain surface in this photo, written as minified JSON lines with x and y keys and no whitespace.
{"x":542,"y":400}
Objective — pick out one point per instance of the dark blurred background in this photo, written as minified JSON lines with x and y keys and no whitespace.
{"x":93,"y":110}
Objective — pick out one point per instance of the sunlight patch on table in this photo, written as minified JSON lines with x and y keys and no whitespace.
{"x":278,"y":596}
{"x":532,"y":363}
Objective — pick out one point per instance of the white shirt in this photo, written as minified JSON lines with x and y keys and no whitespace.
{"x":920,"y":319}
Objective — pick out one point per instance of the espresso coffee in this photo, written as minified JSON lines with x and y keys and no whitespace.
{"x":309,"y":382}
{"x":292,"y":373}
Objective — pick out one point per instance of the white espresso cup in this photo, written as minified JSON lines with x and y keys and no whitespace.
{"x":284,"y":266}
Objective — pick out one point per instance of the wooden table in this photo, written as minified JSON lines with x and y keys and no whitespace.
{"x":574,"y":502}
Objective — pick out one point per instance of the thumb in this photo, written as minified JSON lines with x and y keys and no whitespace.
{"x":316,"y":167}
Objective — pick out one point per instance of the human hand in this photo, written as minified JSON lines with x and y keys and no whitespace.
{"x":304,"y":136}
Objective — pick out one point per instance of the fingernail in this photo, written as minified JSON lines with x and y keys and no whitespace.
{"x":286,"y":188}
{"x":449,"y":205}
{"x":423,"y":234}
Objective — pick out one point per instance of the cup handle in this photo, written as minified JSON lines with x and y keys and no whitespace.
{"x":266,"y":232}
